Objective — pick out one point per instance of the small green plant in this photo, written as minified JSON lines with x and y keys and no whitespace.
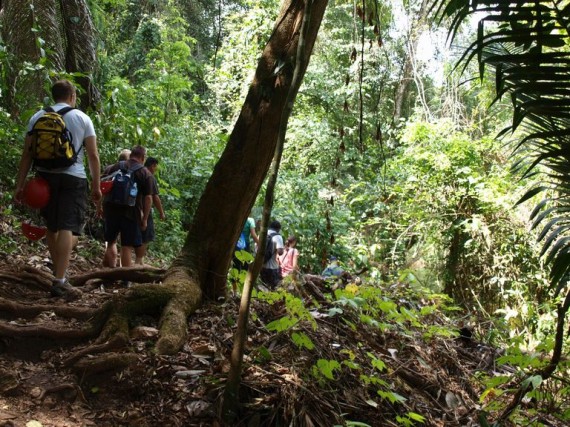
{"x":301,"y":340}
{"x":410,"y":419}
{"x":296,"y":313}
{"x":325,"y":369}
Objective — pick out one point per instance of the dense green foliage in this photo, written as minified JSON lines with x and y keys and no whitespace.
{"x":427,"y":201}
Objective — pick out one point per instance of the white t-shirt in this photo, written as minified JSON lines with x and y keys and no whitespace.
{"x":81,"y":127}
{"x":277,"y":241}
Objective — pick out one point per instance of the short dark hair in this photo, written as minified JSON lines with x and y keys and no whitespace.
{"x":275,"y":225}
{"x":138,"y":152}
{"x":62,"y":90}
{"x":150,"y":161}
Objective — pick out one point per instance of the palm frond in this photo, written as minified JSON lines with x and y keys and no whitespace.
{"x":526,"y":44}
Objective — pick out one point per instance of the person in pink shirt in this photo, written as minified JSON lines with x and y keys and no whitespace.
{"x":288,"y":260}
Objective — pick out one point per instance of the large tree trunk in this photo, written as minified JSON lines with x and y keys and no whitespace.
{"x":80,"y":48}
{"x":239,"y":174}
{"x":18,"y":19}
{"x":67,"y":42}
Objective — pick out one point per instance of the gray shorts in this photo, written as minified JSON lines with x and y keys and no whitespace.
{"x":67,"y":202}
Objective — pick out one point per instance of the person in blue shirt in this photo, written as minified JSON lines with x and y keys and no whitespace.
{"x":244,"y":244}
{"x":332,"y":269}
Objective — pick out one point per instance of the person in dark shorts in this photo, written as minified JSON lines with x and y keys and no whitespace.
{"x":271,"y":271}
{"x":148,"y":235}
{"x":110,"y":258}
{"x":65,"y":211}
{"x":130,"y":221}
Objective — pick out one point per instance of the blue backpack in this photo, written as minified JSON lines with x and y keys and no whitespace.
{"x":124,"y":191}
{"x":241,"y":243}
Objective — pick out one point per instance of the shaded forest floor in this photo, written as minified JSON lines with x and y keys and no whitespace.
{"x":388,"y":375}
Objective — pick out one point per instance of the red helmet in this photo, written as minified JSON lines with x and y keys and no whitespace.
{"x":33,"y":232}
{"x":106,"y":186}
{"x":36,"y":193}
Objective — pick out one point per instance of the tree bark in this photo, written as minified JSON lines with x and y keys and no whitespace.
{"x":17,"y":22}
{"x":57,"y":34}
{"x":80,"y":52}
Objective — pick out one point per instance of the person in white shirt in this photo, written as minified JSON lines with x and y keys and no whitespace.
{"x":65,"y":211}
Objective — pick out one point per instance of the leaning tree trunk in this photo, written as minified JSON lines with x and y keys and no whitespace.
{"x":203,"y":262}
{"x":239,"y":174}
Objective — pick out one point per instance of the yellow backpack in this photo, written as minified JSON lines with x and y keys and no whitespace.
{"x":52,"y":143}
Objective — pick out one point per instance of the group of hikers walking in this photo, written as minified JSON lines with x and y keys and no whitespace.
{"x":279,"y":259}
{"x":127,"y":209}
{"x":57,"y":141}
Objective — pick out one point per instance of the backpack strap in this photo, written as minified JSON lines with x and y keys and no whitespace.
{"x":63,"y":111}
{"x":125,"y":168}
{"x":137,"y":166}
{"x":288,"y":253}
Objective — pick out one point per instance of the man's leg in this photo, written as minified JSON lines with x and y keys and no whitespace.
{"x":110,"y":256}
{"x":64,"y":213}
{"x":60,"y":245}
{"x":126,"y":256}
{"x":51,"y":238}
{"x":140,"y":253}
{"x":130,"y":238}
{"x":147,"y":237}
{"x":63,"y":245}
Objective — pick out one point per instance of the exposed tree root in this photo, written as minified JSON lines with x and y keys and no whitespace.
{"x":173,"y":323}
{"x":133,"y":274}
{"x":29,"y":279}
{"x":116,"y":343}
{"x":70,"y":391}
{"x":29,"y":311}
{"x":109,"y":326}
{"x":39,"y":279}
{"x":87,"y":367}
{"x":26,"y":331}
